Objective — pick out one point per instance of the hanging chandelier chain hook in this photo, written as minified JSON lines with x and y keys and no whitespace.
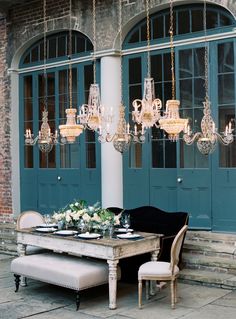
{"x":120,"y":38}
{"x":70,"y":53}
{"x":205,"y":51}
{"x":94,"y":42}
{"x":171,"y":31}
{"x":148,"y":39}
{"x":45,"y":53}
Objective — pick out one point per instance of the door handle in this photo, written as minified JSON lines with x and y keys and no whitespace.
{"x":179,"y":180}
{"x":58,"y":178}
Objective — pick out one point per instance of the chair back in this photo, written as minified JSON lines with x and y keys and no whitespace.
{"x":29,"y":219}
{"x":176,"y":247}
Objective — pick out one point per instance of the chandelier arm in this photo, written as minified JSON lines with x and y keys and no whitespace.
{"x":226,"y":139}
{"x":190,"y":139}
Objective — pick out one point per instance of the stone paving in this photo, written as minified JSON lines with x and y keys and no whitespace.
{"x":43,"y":301}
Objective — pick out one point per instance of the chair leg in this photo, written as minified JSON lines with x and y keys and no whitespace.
{"x":17,"y":282}
{"x":140,"y":293}
{"x":172,"y":294}
{"x":175,"y":289}
{"x":77,"y":300}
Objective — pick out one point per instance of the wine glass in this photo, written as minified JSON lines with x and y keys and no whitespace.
{"x":47,"y":219}
{"x":126,"y":221}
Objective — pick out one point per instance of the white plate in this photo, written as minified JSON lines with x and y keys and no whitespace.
{"x":66,"y":232}
{"x":89,"y":236}
{"x":123,"y":230}
{"x":46,"y":229}
{"x":47,"y":225}
{"x":128,"y":236}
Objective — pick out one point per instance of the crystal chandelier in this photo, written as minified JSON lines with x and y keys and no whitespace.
{"x":71,"y":129}
{"x":147,"y":111}
{"x":93,"y":115}
{"x":171,"y":122}
{"x":123,"y":135}
{"x":45,"y":138}
{"x":208,"y":137}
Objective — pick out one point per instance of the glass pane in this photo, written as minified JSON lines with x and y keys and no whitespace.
{"x":157,"y":154}
{"x":89,"y":45}
{"x":224,"y":20}
{"x":199,"y":63}
{"x":211,"y":19}
{"x":35,"y":54}
{"x":135,"y":156}
{"x":186,"y":94}
{"x":69,"y":156}
{"x":89,"y":136}
{"x":27,"y":59}
{"x":52,"y":48}
{"x":226,"y":93}
{"x":197,"y":20}
{"x":80,"y":45}
{"x":183,"y":22}
{"x":199,"y":92}
{"x":63,"y":104}
{"x":91,"y":155}
{"x":134,"y":37}
{"x":226,"y":115}
{"x":198,"y":115}
{"x":157,"y":28}
{"x":185,"y":63}
{"x":144,"y":32}
{"x":167,"y":66}
{"x":74,"y":80}
{"x":135,"y":73}
{"x":28,"y":88}
{"x":228,"y":155}
{"x":52,"y":157}
{"x":28,"y":110}
{"x":61,"y":46}
{"x":29,"y":159}
{"x":51,"y":108}
{"x":170,"y":154}
{"x":156,"y":66}
{"x":62,"y":81}
{"x":225,"y":57}
{"x":43,"y":160}
{"x":41,"y":85}
{"x":167,"y":91}
{"x":88,"y":76}
{"x":158,"y":90}
{"x":51,"y":83}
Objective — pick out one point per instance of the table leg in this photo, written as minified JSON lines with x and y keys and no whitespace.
{"x":21,"y":249}
{"x":152,"y":282}
{"x":112,"y":282}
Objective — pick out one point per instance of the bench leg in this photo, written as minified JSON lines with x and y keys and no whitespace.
{"x":77,"y":300}
{"x":17,"y":282}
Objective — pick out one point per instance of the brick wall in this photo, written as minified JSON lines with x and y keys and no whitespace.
{"x":5,"y":154}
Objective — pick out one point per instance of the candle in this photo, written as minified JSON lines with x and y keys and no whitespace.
{"x":230,"y":127}
{"x":135,"y":129}
{"x":29,"y":133}
{"x":128,"y":126}
{"x":188,"y":130}
{"x":142,"y":130}
{"x":213,"y":127}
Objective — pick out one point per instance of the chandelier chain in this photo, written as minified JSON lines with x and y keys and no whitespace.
{"x":70,"y":53}
{"x":148,"y":40}
{"x":120,"y":38}
{"x":172,"y":57}
{"x":205,"y":51}
{"x":45,"y":53}
{"x":94,"y":41}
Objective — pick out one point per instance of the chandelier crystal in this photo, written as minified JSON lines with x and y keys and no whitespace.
{"x":147,"y":110}
{"x":208,"y":137}
{"x":45,"y":138}
{"x":171,"y":122}
{"x":71,"y":129}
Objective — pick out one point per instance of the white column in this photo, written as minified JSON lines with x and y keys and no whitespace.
{"x":111,"y":160}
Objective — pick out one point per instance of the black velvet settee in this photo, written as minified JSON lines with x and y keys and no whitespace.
{"x":152,"y":220}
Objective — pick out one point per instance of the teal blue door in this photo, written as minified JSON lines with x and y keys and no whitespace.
{"x":68,"y":172}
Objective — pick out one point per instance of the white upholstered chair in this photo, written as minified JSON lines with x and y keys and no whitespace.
{"x":163,"y":271}
{"x":29,"y":219}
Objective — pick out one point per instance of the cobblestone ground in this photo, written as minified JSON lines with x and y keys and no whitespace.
{"x":43,"y":301}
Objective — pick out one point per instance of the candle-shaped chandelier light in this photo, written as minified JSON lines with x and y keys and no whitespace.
{"x":171,"y":122}
{"x":93,"y":115}
{"x":70,"y":130}
{"x":45,"y":138}
{"x":147,"y":111}
{"x":208,"y":137}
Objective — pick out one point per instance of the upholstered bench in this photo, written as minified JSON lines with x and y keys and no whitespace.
{"x":62,"y":270}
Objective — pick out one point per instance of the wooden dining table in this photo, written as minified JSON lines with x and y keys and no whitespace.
{"x":109,"y":249}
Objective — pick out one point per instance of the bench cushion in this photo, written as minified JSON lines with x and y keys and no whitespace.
{"x":62,"y":270}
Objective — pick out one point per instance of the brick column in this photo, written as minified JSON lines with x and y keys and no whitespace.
{"x":5,"y":138}
{"x":111,"y":160}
